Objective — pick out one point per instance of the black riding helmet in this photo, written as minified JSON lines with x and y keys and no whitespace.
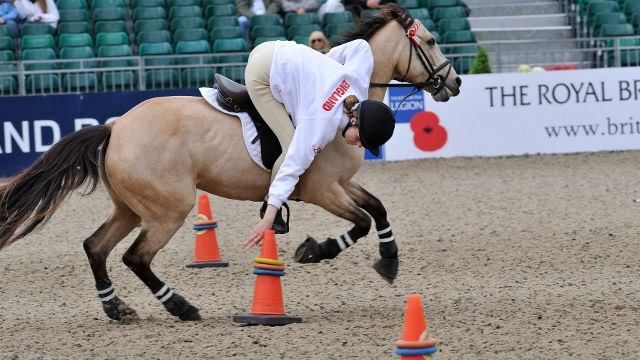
{"x":376,"y":124}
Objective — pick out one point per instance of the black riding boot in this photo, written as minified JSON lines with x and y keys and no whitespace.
{"x":279,"y":225}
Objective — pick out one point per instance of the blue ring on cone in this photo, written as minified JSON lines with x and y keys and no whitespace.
{"x":205,"y":227}
{"x":268,"y":272}
{"x":415,"y":352}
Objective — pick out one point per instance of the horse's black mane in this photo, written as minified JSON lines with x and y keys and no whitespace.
{"x":367,"y":27}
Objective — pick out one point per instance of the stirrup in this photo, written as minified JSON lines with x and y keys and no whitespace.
{"x":279,"y":225}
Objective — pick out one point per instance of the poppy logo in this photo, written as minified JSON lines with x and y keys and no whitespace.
{"x":428,"y":134}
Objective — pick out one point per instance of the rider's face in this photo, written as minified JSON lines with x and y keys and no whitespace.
{"x":352,"y":136}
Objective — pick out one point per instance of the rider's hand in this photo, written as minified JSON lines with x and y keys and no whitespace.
{"x":264,"y":224}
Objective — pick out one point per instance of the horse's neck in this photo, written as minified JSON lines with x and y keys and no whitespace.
{"x":386,"y":51}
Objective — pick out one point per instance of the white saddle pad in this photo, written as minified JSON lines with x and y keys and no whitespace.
{"x":249,"y":131}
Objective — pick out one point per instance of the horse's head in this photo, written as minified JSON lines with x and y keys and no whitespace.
{"x":406,"y":51}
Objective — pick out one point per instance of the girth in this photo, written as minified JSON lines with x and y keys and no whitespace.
{"x":234,"y":97}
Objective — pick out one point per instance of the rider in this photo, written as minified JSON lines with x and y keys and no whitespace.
{"x":301,"y":95}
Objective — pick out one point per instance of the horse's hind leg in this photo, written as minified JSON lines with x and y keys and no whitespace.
{"x":98,"y":246}
{"x":387,"y":265}
{"x":337,"y":202}
{"x":156,"y":233}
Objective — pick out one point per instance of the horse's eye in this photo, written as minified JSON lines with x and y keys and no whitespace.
{"x":431,"y":41}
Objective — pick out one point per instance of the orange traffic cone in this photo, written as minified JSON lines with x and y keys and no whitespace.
{"x":268,"y":305}
{"x":415,"y":344}
{"x":206,"y":253}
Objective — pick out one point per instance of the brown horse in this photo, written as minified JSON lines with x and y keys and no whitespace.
{"x":155,"y":156}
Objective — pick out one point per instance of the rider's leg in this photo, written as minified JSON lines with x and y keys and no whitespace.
{"x":272,"y":111}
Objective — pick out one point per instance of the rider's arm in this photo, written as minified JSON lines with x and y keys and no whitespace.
{"x":310,"y":137}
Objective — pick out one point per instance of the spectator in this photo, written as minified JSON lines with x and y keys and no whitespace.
{"x":330,"y":6}
{"x":249,"y":8}
{"x":365,"y":4}
{"x":300,"y":6}
{"x":42,"y":11}
{"x":317,"y":41}
{"x":8,"y":16}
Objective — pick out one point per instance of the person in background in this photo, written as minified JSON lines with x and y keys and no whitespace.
{"x":365,"y":4}
{"x":248,"y":8}
{"x":42,"y":11}
{"x":299,"y":6}
{"x":8,"y":16}
{"x":317,"y":41}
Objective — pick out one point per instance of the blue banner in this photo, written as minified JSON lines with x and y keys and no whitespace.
{"x":403,"y":106}
{"x":29,"y":125}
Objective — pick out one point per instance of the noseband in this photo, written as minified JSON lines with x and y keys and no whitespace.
{"x":435,"y":80}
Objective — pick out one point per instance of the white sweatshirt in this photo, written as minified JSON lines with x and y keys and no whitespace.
{"x":312,"y":87}
{"x":28,"y":11}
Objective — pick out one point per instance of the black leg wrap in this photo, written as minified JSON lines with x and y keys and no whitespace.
{"x":388,"y":249}
{"x":178,"y":306}
{"x":329,"y":249}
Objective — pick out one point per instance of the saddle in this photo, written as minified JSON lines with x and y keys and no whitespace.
{"x":234,"y":97}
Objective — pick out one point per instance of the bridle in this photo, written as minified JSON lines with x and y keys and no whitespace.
{"x":436,"y":81}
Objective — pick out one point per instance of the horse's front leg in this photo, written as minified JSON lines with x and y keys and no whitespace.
{"x":339,"y":203}
{"x":387,"y":265}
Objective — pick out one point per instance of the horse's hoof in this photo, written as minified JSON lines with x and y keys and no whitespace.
{"x":116,"y":309}
{"x":387,"y":268}
{"x":192,"y":314}
{"x":308,"y":252}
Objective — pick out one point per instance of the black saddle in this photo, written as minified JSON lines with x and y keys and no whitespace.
{"x":234,"y":97}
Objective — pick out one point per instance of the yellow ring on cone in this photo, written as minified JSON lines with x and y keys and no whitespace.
{"x":201,"y":219}
{"x":261,"y":260}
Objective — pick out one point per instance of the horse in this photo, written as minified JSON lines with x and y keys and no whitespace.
{"x":154,"y":158}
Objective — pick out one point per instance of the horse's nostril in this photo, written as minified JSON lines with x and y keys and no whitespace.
{"x":458,"y":81}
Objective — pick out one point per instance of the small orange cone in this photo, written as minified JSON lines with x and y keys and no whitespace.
{"x":268,"y":304}
{"x":206,"y":253}
{"x":415,"y":343}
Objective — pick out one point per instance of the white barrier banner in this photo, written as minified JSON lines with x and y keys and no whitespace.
{"x":514,"y":114}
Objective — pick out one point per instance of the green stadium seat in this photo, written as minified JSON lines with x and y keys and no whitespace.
{"x":161,"y":79}
{"x":110,"y":26}
{"x":115,"y":51}
{"x":71,"y":4}
{"x":218,"y":2}
{"x":462,"y":65}
{"x":150,"y":25}
{"x":293,"y":19}
{"x":260,"y":40}
{"x":301,"y":39}
{"x":596,"y":7}
{"x":74,"y":15}
{"x":336,"y":18}
{"x":419,"y":13}
{"x":36,"y":29}
{"x":40,"y":83}
{"x":225,"y":32}
{"x":436,"y":35}
{"x":97,"y":4}
{"x":4,"y":30}
{"x":148,"y":3}
{"x":464,"y":49}
{"x":73,"y":40}
{"x":39,"y":55}
{"x":218,"y":21}
{"x":429,"y":24}
{"x":102,"y":14}
{"x":74,"y":27}
{"x":233,"y":72}
{"x":632,"y":8}
{"x":6,"y":43}
{"x":368,"y":13}
{"x":448,"y":13}
{"x":193,"y":47}
{"x":456,"y":37}
{"x":266,"y":20}
{"x":197,"y":77}
{"x":258,"y":31}
{"x":8,"y":82}
{"x":333,"y":29}
{"x":630,"y":57}
{"x":7,"y":55}
{"x":187,"y":23}
{"x":610,"y":30}
{"x":190,"y":35}
{"x":79,"y":82}
{"x":635,"y":22}
{"x":118,"y":80}
{"x":184,"y":3}
{"x":409,"y":4}
{"x":37,"y":41}
{"x":220,"y":10}
{"x":149,"y":13}
{"x":146,"y":37}
{"x":156,"y":49}
{"x":185,"y":12}
{"x":302,"y":30}
{"x":229,"y":45}
{"x":457,"y":24}
{"x":116,"y":38}
{"x":442,"y":3}
{"x":606,"y":18}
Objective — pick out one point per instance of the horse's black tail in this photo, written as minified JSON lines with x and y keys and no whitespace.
{"x":31,"y":197}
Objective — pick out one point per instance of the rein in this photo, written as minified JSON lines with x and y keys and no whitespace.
{"x":437,"y":81}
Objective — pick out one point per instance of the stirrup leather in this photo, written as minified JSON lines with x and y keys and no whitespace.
{"x":279,"y":225}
